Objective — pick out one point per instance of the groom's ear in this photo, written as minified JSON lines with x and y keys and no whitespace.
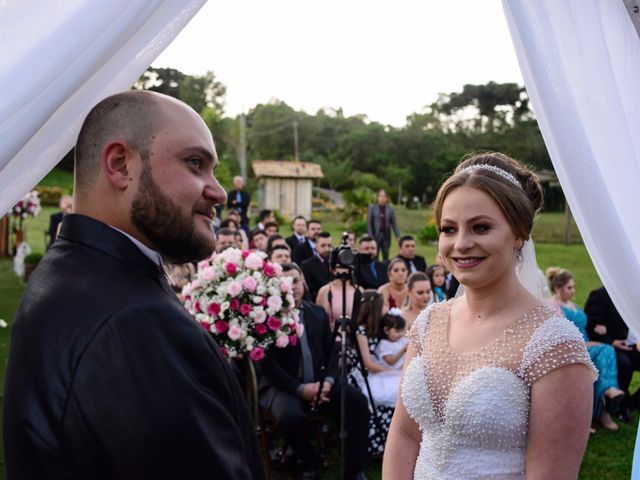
{"x":117,"y":164}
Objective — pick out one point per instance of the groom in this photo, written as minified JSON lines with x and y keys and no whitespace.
{"x":109,"y":377}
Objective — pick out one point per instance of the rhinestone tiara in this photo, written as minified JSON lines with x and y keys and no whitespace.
{"x":497,"y":170}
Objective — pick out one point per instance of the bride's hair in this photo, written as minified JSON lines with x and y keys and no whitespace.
{"x":515,"y":189}
{"x":558,"y":277}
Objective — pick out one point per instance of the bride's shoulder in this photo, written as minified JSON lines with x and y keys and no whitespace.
{"x":432,"y":314}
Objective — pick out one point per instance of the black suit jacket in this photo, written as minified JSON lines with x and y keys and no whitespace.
{"x":243,"y":206}
{"x":293,"y":242}
{"x":109,"y":377}
{"x":366,"y":279}
{"x":316,"y":274}
{"x":418,"y":261}
{"x":281,"y":366}
{"x":601,"y":310}
{"x":302,"y":252}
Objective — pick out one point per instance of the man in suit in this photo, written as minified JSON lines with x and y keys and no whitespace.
{"x":381,"y":219}
{"x":607,"y":326}
{"x":371,"y":273}
{"x":239,"y":200}
{"x":317,"y":269}
{"x":299,"y":227}
{"x":291,"y":380}
{"x":109,"y":377}
{"x":66,"y":205}
{"x":415,"y":263}
{"x":307,"y":249}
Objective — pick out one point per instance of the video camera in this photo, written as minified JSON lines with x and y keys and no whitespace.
{"x":344,"y":256}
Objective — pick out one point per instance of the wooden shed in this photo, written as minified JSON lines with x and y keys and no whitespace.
{"x":286,"y":186}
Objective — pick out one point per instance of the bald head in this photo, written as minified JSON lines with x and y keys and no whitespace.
{"x":132,"y":117}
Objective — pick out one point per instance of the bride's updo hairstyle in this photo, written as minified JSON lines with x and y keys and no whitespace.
{"x":514,"y":188}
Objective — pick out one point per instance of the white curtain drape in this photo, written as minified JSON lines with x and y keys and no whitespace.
{"x":58,"y":58}
{"x":581,"y":64}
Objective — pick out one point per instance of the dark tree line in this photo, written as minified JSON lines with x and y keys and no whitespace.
{"x":355,"y":151}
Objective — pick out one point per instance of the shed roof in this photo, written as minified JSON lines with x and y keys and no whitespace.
{"x":286,"y":169}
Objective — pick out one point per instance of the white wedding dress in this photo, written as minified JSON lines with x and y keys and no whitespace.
{"x":473,"y":407}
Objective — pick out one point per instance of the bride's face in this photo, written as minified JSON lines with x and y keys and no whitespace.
{"x":476,"y":241}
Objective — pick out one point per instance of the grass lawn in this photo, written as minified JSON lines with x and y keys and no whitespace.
{"x":608,"y":455}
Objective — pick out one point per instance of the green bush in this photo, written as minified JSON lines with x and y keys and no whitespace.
{"x":358,"y":227}
{"x":50,"y":195}
{"x":428,"y":233}
{"x":33,"y":258}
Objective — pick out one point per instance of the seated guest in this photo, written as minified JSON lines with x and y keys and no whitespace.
{"x":420,"y":297}
{"x":437,"y":275}
{"x":414,"y":263}
{"x":264,"y":217}
{"x":239,"y":240}
{"x":258,"y":240}
{"x":371,"y":273}
{"x":271,"y":228}
{"x":317,"y":269}
{"x":607,"y":326}
{"x":299,"y":227}
{"x":280,"y":254}
{"x":330,"y":296}
{"x":351,"y":240}
{"x":307,"y":249}
{"x":275,"y":240}
{"x":368,"y":331}
{"x":225,"y":238}
{"x":395,"y":291}
{"x":393,"y":346}
{"x":290,"y":382}
{"x":606,"y":390}
{"x":231,"y":223}
{"x":66,"y":205}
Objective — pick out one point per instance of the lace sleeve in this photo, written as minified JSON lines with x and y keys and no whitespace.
{"x":554,"y":344}
{"x":416,"y":334}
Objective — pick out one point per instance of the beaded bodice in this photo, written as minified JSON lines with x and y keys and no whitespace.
{"x":473,"y":408}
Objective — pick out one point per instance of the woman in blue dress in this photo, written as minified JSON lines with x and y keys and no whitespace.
{"x":603,"y":355}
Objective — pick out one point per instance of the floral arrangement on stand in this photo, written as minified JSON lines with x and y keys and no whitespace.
{"x":244,"y":302}
{"x":27,"y":206}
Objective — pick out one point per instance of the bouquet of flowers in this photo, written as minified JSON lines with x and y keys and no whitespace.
{"x":28,"y":206}
{"x":244,"y":302}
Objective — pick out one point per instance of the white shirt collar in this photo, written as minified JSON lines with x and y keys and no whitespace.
{"x":154,"y":256}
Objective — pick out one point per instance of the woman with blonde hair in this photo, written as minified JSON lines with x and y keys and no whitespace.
{"x":495,"y":383}
{"x":395,"y":291}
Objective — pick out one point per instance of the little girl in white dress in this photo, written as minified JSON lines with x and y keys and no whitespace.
{"x":392,"y":349}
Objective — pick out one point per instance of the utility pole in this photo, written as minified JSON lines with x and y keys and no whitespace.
{"x":296,"y":154}
{"x":242,"y":157}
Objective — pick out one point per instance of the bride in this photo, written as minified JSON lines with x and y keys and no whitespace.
{"x":496,"y":384}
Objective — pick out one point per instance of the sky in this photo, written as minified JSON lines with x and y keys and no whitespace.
{"x":379,"y":58}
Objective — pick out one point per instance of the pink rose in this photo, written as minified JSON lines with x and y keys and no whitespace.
{"x":282,"y":341}
{"x":202,"y":264}
{"x":253,"y":261}
{"x":274,"y":302}
{"x":245,"y":253}
{"x":213,"y":309}
{"x":206,"y":325}
{"x":196,"y":306}
{"x":230,"y":268}
{"x":234,"y":288}
{"x":221,"y":326}
{"x":224,"y":351}
{"x":299,"y":328}
{"x":273,"y":323}
{"x":234,"y":304}
{"x":261,"y":329}
{"x":260,"y":316}
{"x":268,"y":270}
{"x":293,"y":340}
{"x":285,"y":285}
{"x":277,"y":268}
{"x":235,"y":332}
{"x":245,"y":309}
{"x":250,"y":284}
{"x":208,"y":274}
{"x":257,"y":354}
